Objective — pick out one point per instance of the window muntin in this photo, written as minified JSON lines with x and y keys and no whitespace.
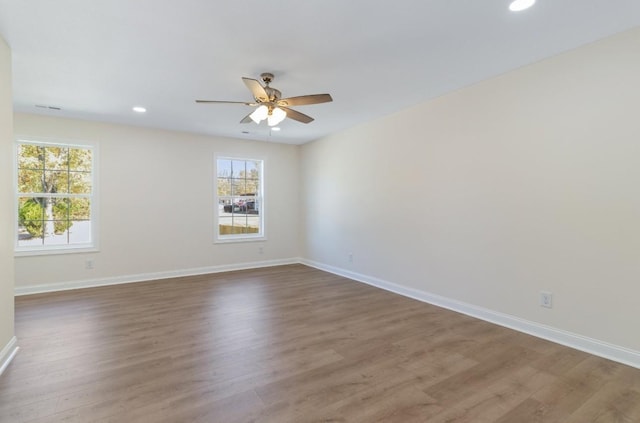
{"x":239,"y":198}
{"x":54,"y":196}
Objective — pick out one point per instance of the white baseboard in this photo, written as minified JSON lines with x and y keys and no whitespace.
{"x":592,"y":346}
{"x":7,"y":353}
{"x":142,"y":277}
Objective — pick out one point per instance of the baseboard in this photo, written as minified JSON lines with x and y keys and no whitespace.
{"x":589,"y":345}
{"x":7,"y":353}
{"x":142,"y":277}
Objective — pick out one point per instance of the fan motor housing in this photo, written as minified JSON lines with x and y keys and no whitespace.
{"x":274,"y":95}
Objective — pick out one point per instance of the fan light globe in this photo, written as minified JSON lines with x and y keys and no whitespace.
{"x":259,"y":114}
{"x":276,"y":116}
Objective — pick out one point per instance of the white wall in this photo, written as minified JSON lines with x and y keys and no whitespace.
{"x":156,"y":204}
{"x":7,"y":340}
{"x":486,"y":196}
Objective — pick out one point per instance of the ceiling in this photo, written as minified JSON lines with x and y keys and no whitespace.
{"x":95,"y":60}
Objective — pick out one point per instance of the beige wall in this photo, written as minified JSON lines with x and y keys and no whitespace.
{"x":6,"y":201}
{"x":489,"y":195}
{"x":156,"y":203}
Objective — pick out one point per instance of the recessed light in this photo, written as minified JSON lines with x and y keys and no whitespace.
{"x":139,"y":109}
{"x":518,"y":5}
{"x":275,"y":129}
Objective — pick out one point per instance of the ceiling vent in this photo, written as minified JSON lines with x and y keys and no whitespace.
{"x":42,"y":106}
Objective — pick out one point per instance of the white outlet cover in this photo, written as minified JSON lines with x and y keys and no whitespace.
{"x":546,"y":299}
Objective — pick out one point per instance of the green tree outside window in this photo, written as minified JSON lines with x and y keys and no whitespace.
{"x":54,"y":188}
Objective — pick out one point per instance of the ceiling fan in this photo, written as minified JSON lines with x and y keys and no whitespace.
{"x":271,"y":105}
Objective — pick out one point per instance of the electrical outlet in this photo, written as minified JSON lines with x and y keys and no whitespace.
{"x":546,"y":299}
{"x":260,"y":250}
{"x":88,"y":264}
{"x":350,"y":257}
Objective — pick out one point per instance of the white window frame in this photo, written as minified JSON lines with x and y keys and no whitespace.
{"x":91,"y":246}
{"x":260,"y":198}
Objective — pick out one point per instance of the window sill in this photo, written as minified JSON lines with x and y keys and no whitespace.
{"x":235,"y":239}
{"x":28,"y":252}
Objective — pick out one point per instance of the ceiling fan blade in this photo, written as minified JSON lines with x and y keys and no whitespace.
{"x":305,"y":99}
{"x":227,"y":102}
{"x":295,"y":115}
{"x":247,"y":119}
{"x":256,"y":89}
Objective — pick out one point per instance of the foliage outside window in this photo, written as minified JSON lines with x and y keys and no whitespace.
{"x":239,"y":199}
{"x":54,"y":196}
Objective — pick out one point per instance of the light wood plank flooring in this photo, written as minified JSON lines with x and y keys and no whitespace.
{"x":291,"y":344}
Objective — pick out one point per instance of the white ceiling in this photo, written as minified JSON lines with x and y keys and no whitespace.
{"x":97,"y":59}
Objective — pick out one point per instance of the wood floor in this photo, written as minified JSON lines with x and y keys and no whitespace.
{"x":291,"y":344}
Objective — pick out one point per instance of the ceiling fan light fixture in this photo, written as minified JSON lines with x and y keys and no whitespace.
{"x":267,"y":99}
{"x":259,"y":114}
{"x":518,"y":5}
{"x":276,"y":116}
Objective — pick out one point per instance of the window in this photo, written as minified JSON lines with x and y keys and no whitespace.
{"x":54,"y":197}
{"x":239,"y":187}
